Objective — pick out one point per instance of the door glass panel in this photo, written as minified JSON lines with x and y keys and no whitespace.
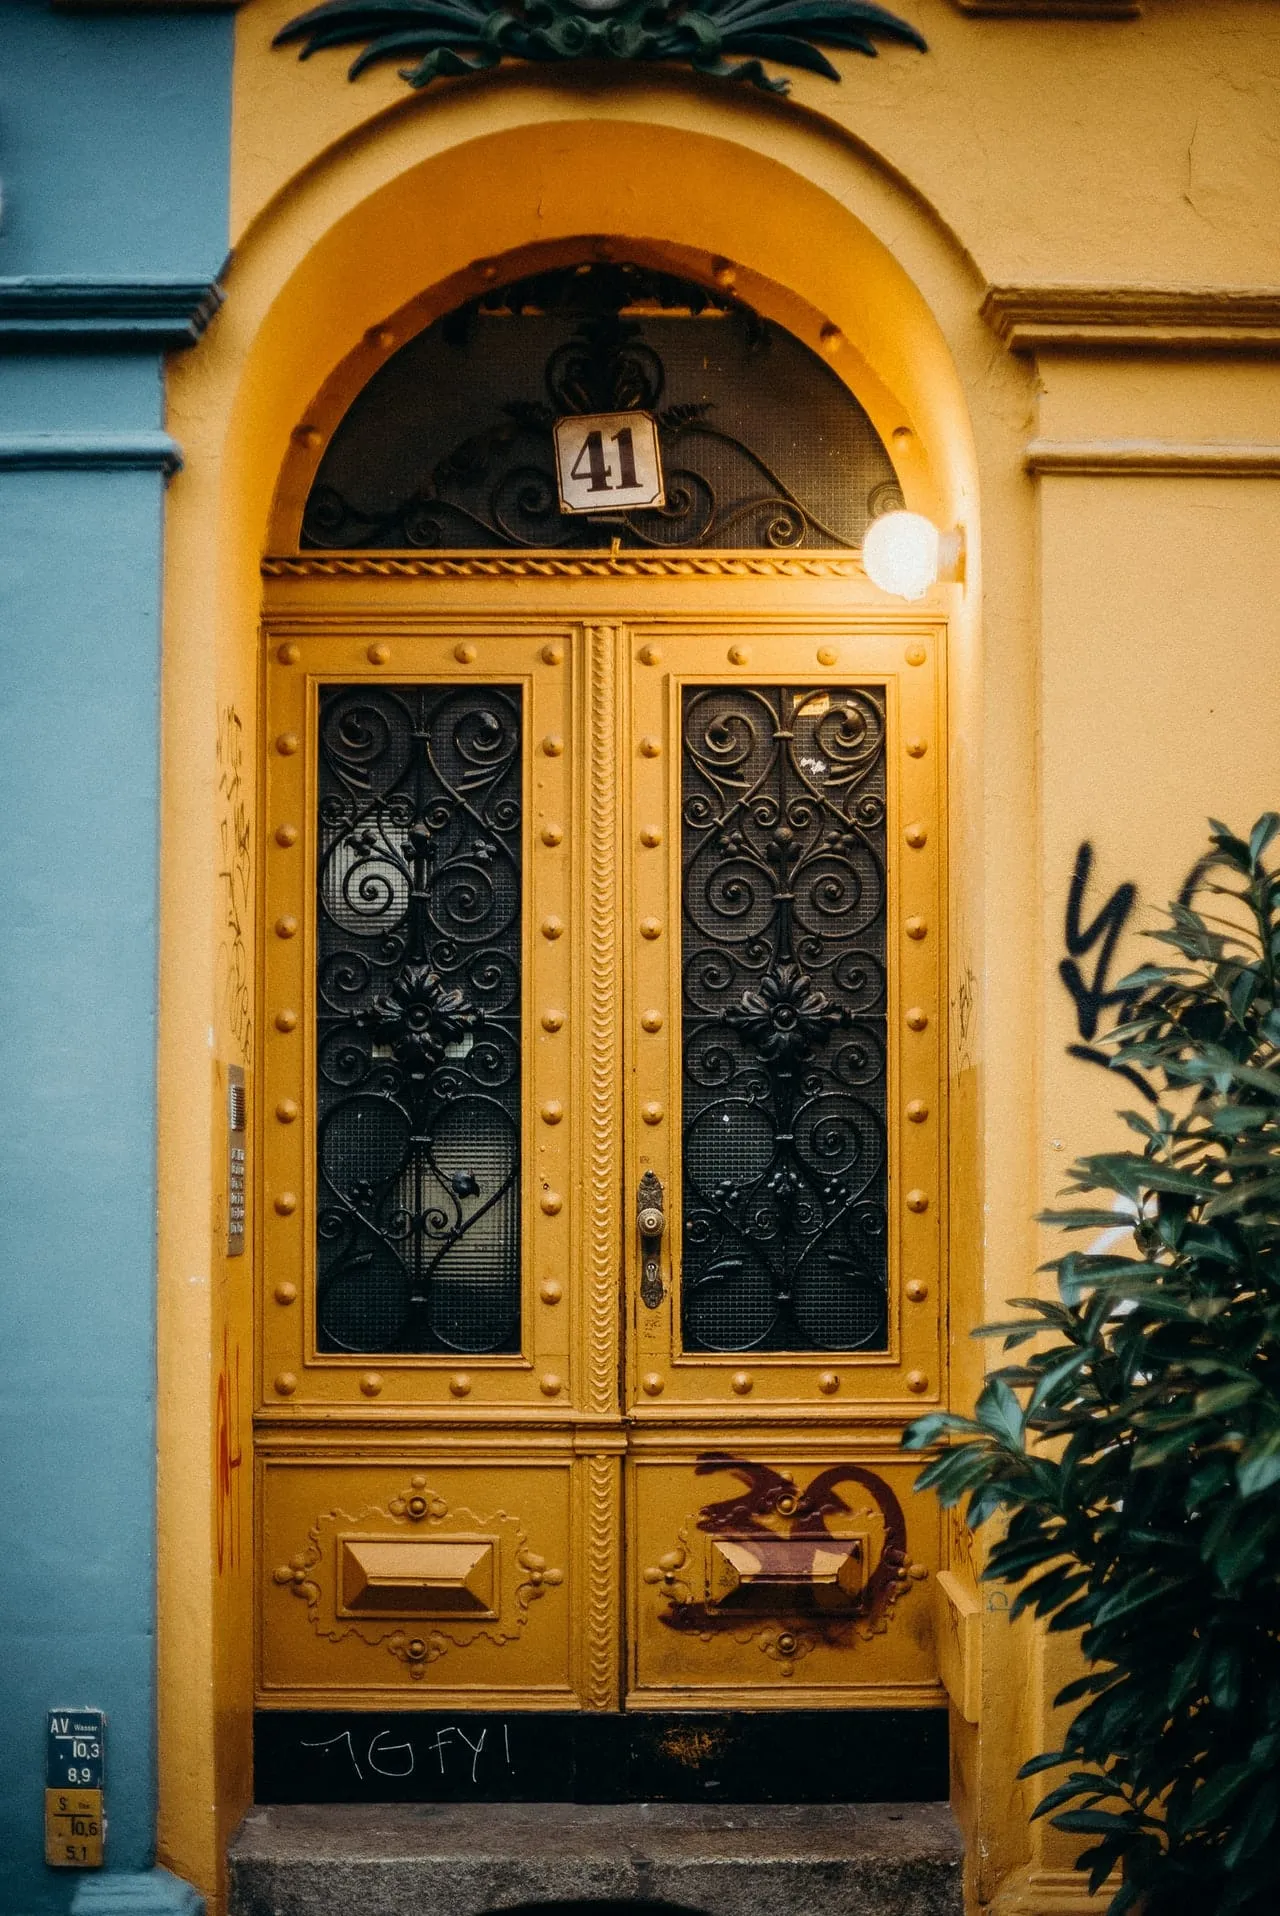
{"x":784,"y":1001}
{"x":418,"y":976}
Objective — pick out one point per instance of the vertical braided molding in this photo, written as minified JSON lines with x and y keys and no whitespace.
{"x":601,"y":1080}
{"x":600,"y":1689}
{"x":603,"y":1151}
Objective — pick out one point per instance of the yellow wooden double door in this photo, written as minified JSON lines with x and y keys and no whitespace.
{"x":599,"y":1157}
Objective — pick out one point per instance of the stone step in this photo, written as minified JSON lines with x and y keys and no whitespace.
{"x":342,"y":1859}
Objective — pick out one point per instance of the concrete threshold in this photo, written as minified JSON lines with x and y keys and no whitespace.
{"x":866,"y":1859}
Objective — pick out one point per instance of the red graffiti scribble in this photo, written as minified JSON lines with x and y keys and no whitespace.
{"x":227,"y":1460}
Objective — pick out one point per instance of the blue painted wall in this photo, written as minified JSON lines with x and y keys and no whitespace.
{"x":114,"y":141}
{"x":114,"y":147}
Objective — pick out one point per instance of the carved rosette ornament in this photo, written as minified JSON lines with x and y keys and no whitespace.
{"x":785,"y":1017}
{"x":419,"y":1018}
{"x":491,"y":1572}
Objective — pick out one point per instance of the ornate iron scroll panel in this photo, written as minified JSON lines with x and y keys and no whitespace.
{"x":784,"y":1019}
{"x":449,"y":446}
{"x":418,"y":1043}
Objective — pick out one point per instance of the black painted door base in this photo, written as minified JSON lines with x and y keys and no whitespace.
{"x":427,"y":1756}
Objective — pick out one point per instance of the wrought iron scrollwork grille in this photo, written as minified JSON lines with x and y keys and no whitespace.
{"x":784,"y":1005}
{"x":449,"y":446}
{"x":418,"y":984}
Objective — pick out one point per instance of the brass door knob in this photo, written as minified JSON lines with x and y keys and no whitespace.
{"x":651,"y":1222}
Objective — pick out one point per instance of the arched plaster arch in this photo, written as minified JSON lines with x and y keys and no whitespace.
{"x":402,"y":210}
{"x":892,"y":415}
{"x":409,"y":209}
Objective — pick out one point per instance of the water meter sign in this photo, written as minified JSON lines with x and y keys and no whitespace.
{"x":74,"y":1756}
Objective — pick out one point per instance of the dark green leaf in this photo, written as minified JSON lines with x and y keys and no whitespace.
{"x":1225,"y":1397}
{"x":1262,"y":834}
{"x":1052,"y":1379}
{"x":999,"y":1411}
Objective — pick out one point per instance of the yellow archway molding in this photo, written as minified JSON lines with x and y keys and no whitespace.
{"x":399,"y":210}
{"x":407,"y":210}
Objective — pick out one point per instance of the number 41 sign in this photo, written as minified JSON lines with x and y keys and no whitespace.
{"x":608,"y":462}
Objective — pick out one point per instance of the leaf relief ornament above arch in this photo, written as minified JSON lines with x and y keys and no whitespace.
{"x":725,"y":39}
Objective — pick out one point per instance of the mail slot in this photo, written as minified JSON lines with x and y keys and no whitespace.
{"x":761,"y":1572}
{"x":416,"y":1576}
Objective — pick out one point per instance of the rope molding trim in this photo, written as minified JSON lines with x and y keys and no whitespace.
{"x":555,"y":565}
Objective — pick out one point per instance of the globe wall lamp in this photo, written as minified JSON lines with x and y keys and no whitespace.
{"x":905,"y":553}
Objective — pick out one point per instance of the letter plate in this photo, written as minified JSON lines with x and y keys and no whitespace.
{"x":416,"y":1576}
{"x":769,"y":1573}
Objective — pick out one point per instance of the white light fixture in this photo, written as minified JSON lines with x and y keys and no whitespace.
{"x":904,"y":553}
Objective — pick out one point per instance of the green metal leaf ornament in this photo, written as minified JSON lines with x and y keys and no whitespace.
{"x":727,"y":39}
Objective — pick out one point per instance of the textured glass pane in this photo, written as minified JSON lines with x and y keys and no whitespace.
{"x":785,"y":1174}
{"x":450,"y":442}
{"x":418,"y":1016}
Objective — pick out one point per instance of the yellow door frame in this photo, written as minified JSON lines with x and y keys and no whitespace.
{"x":820,"y":237}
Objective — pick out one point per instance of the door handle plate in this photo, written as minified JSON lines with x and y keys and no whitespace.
{"x":651,"y":1223}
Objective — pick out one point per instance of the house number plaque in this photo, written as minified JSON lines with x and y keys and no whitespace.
{"x":608,"y":462}
{"x":74,"y":1759}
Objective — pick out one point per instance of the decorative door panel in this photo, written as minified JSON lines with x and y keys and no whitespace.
{"x":785,"y":1074}
{"x":418,"y":1572}
{"x":422,"y":1123}
{"x":771,"y":1569}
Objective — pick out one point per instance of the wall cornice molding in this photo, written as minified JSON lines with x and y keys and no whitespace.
{"x":1052,"y":9}
{"x":144,"y":314}
{"x":147,"y":6}
{"x":1153,"y":319}
{"x":1155,"y":457}
{"x":90,"y":451}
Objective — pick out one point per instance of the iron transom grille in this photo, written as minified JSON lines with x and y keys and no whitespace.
{"x":418,"y":985}
{"x":449,"y":445}
{"x":784,"y":1007}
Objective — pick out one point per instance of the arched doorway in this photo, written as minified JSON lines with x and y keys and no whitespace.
{"x":601,"y":1097}
{"x":328,"y":257}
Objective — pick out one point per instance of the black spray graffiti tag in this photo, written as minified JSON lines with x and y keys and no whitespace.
{"x":1095,"y":995}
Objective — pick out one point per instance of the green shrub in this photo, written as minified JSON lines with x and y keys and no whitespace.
{"x":1135,"y":1453}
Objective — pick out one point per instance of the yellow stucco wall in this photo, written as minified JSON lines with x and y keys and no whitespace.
{"x":1115,"y":665}
{"x":1094,"y":151}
